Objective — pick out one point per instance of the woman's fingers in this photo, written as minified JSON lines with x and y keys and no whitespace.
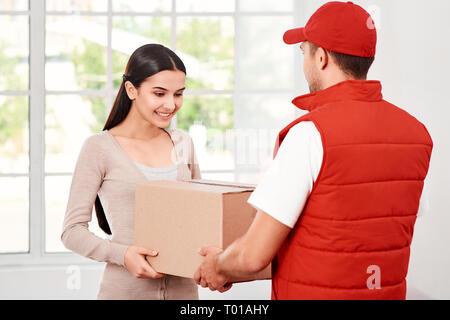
{"x":142,"y":268}
{"x":137,"y":264}
{"x":147,"y":252}
{"x":149,"y":272}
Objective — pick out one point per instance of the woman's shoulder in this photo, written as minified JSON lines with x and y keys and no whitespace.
{"x":96,"y":141}
{"x":97,"y":137}
{"x":179,"y":135}
{"x":184,"y":145}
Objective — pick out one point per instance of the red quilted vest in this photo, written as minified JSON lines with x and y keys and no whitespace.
{"x":357,"y":225}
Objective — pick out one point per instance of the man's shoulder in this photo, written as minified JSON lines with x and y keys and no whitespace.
{"x":409,"y":121}
{"x":303,"y":129}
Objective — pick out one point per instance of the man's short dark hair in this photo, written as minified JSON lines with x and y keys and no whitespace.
{"x":357,"y":67}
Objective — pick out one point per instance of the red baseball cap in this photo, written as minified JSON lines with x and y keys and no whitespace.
{"x":342,"y":27}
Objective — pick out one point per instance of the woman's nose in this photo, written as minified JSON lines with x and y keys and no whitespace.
{"x":169,"y":106}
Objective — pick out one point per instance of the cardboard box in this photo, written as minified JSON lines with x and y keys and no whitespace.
{"x":178,"y":217}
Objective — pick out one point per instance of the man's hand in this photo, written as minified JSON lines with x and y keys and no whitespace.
{"x":207,"y":275}
{"x":246,"y":256}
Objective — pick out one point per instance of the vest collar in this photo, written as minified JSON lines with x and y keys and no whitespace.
{"x":361,"y":90}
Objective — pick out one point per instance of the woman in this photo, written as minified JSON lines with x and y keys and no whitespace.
{"x":134,"y":146}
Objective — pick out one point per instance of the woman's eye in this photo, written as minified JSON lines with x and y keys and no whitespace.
{"x":178,"y":94}
{"x":159,"y":94}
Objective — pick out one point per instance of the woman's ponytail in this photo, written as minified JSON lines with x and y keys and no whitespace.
{"x":118,"y":113}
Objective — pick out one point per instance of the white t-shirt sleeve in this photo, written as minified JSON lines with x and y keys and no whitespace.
{"x":287,"y":184}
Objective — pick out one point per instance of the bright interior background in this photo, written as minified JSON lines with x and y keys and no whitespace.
{"x":241,"y":79}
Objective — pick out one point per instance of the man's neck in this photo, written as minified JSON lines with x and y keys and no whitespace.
{"x":338,"y":78}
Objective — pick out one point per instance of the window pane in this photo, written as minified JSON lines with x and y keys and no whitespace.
{"x":14,"y":53}
{"x":264,"y":111}
{"x":129,"y":33}
{"x":267,"y":63}
{"x":56,"y":196}
{"x":10,"y":5}
{"x":266,"y":5}
{"x":14,"y":208}
{"x":75,"y":52}
{"x":142,"y":5}
{"x":207,"y":49}
{"x":250,"y":177}
{"x":14,"y":134}
{"x":205,"y":5}
{"x":258,"y":119}
{"x":218,"y":176}
{"x":13,"y":5}
{"x":209,"y":120}
{"x":69,"y":120}
{"x":76,"y":5}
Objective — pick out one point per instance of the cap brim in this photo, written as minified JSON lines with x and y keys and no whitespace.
{"x":293,"y":36}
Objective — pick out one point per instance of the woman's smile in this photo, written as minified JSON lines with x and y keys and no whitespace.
{"x":164,"y":116}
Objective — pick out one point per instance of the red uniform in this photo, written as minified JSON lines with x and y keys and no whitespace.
{"x":363,"y":206}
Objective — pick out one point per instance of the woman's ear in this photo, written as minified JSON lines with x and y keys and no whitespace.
{"x":131,"y":90}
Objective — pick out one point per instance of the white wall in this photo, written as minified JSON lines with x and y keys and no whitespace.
{"x":414,"y":67}
{"x":412,"y":62}
{"x":61,"y":282}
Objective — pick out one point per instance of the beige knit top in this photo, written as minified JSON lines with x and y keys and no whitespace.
{"x":105,"y":169}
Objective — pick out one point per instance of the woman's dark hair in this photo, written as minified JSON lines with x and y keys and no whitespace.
{"x":143,"y":63}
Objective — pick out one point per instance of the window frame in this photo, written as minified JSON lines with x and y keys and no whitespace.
{"x":37,"y":255}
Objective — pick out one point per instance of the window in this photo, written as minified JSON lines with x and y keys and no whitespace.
{"x":63,"y":73}
{"x":14,"y":143}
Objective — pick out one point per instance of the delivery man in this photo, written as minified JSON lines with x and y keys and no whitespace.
{"x":337,"y":207}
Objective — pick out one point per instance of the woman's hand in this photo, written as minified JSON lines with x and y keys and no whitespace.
{"x":136,"y":263}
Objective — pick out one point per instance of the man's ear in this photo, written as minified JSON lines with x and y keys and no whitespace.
{"x":131,"y":90}
{"x":322,"y":58}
